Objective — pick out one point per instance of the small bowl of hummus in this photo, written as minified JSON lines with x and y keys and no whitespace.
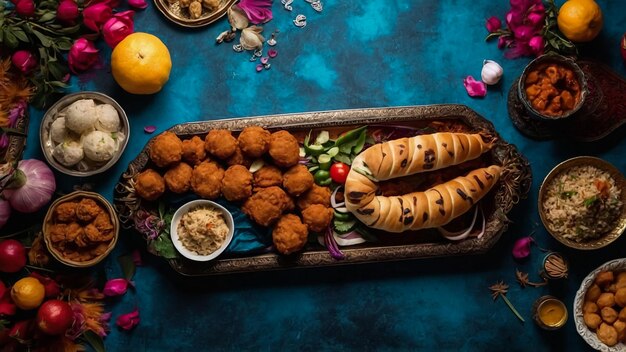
{"x":201,"y":230}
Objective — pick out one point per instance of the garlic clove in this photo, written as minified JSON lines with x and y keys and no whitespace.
{"x":491,"y":72}
{"x":251,"y":38}
{"x":237,"y":18}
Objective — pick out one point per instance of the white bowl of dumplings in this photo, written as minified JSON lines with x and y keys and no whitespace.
{"x":84,"y":133}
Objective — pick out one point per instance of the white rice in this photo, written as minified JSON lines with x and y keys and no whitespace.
{"x":575,"y":207}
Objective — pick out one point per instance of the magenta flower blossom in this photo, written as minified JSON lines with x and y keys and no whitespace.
{"x":493,"y":24}
{"x":257,"y":11}
{"x":67,"y":11}
{"x":24,"y":60}
{"x":118,"y":27}
{"x":116,"y":287}
{"x":82,"y":56}
{"x":521,"y":248}
{"x":96,"y":15}
{"x":474,"y":88}
{"x":148,"y":224}
{"x":138,"y":4}
{"x":129,"y":320}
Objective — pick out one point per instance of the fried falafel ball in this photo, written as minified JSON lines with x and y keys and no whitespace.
{"x":592,"y":320}
{"x":268,"y":176}
{"x":297,"y":180}
{"x":289,"y":234}
{"x":193,"y":150}
{"x":237,"y":183}
{"x":220,"y":143}
{"x":604,"y":278}
{"x":178,"y":178}
{"x":620,"y":297}
{"x":593,"y":293}
{"x":206,"y":180}
{"x":254,"y":141}
{"x":284,"y":149}
{"x":267,"y":205}
{"x":607,"y":334}
{"x":315,"y":195}
{"x":87,"y":210}
{"x":149,"y":185}
{"x":238,"y":158}
{"x":103,"y":222}
{"x":166,"y":149}
{"x":606,"y":299}
{"x":317,"y":217}
{"x":66,"y":212}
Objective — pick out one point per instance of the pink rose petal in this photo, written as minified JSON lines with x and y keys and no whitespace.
{"x":521,"y":248}
{"x":259,"y":67}
{"x":138,"y":4}
{"x":129,"y":320}
{"x":149,"y":129}
{"x":116,"y":287}
{"x":265,"y":60}
{"x":475,"y":88}
{"x":272,"y":53}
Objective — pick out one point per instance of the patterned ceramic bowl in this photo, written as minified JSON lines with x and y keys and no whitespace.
{"x":588,"y":335}
{"x":620,"y":222}
{"x":560,"y":61}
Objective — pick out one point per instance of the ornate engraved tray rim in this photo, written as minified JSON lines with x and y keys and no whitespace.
{"x":496,"y":222}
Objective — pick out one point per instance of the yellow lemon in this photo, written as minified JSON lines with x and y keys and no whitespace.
{"x":141,"y":63}
{"x":28,"y":293}
{"x":580,"y":20}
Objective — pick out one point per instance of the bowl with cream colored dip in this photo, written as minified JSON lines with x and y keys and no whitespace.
{"x":201,"y":230}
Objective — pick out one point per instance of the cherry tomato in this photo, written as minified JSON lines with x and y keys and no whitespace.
{"x":339,"y":172}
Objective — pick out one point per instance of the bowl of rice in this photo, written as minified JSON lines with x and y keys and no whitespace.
{"x":581,"y":203}
{"x":201,"y":230}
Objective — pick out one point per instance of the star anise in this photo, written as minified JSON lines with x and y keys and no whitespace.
{"x":499,"y":289}
{"x":522,"y":279}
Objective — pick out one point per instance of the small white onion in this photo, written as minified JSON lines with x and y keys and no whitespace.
{"x":491,"y":72}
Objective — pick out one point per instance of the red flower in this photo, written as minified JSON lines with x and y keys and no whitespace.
{"x":82,"y":56}
{"x":116,"y":287}
{"x":67,"y":11}
{"x":118,"y":27}
{"x":96,"y":15}
{"x":129,"y":320}
{"x":24,"y":60}
{"x":138,"y":4}
{"x":493,"y":24}
{"x":25,"y":8}
{"x":536,"y":45}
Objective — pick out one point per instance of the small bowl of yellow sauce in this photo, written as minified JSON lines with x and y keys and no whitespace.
{"x":549,"y":313}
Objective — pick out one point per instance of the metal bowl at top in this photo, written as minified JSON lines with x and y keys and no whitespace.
{"x":86,"y":167}
{"x":563,"y":62}
{"x":619,"y":223}
{"x":179,"y":15}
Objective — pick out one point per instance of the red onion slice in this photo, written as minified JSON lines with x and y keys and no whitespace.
{"x":333,"y":202}
{"x":459,"y":235}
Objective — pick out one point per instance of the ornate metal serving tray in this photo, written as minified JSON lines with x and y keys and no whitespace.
{"x":172,"y":10}
{"x":15,"y":145}
{"x":513,"y":185}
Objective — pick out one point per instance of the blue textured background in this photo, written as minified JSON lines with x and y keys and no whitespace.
{"x":355,"y":54}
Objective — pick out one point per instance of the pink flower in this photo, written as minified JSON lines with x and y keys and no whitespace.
{"x":475,"y":88}
{"x":538,"y":8}
{"x":257,"y":11}
{"x":25,"y":8}
{"x":493,"y":24}
{"x":82,"y":56}
{"x":96,"y":15}
{"x":24,"y":60}
{"x":116,"y":287}
{"x":523,"y":33}
{"x":536,"y":45}
{"x":521,"y":248}
{"x":138,"y":4}
{"x":536,"y":19}
{"x":504,"y":41}
{"x":118,"y":27}
{"x":129,"y":320}
{"x":67,"y":11}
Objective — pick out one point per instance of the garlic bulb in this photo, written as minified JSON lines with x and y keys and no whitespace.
{"x":251,"y":38}
{"x":491,"y":73}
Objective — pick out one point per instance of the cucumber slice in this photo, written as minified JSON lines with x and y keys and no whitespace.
{"x":333,"y":151}
{"x":342,"y":216}
{"x":256,"y":165}
{"x":314,"y":149}
{"x":344,"y":226}
{"x":312,"y":169}
{"x":324,"y":160}
{"x":322,"y":137}
{"x":302,"y":152}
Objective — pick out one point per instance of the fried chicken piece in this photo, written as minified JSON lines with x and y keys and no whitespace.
{"x":103,"y":222}
{"x":57,"y":232}
{"x":315,"y":195}
{"x":289,"y":234}
{"x":268,"y":176}
{"x":238,"y":158}
{"x":87,"y":210}
{"x":93,"y":234}
{"x":297,"y":180}
{"x":99,"y":250}
{"x":284,"y":149}
{"x":220,"y":143}
{"x":149,"y":185}
{"x":166,"y":149}
{"x":237,"y":183}
{"x":317,"y":217}
{"x":178,"y":178}
{"x":254,"y":141}
{"x":66,"y":212}
{"x":206,"y":180}
{"x":267,"y":205}
{"x":193,"y":150}
{"x":73,"y":231}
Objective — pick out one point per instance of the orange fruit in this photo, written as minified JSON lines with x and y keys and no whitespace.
{"x":580,"y":20}
{"x":28,"y":293}
{"x":141,"y":63}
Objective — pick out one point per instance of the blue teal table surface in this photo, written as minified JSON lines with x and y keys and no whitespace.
{"x":354,"y":54}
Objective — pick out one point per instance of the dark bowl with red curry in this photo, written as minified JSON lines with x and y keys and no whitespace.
{"x":552,"y":87}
